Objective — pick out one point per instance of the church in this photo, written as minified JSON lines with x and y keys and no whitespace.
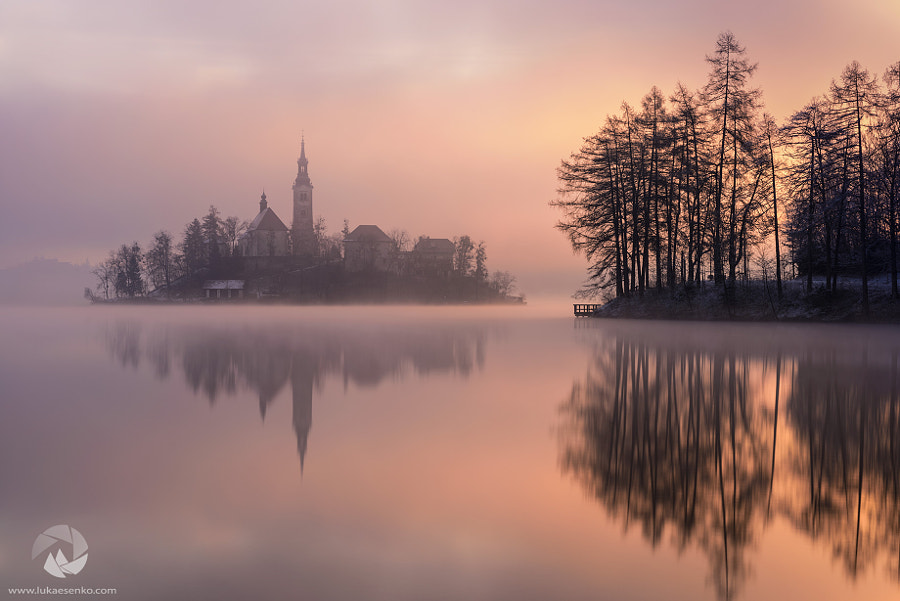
{"x":268,"y":236}
{"x":269,"y":243}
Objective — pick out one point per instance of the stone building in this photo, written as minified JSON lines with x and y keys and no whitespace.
{"x":432,"y":257}
{"x":266,"y":236}
{"x":367,"y":248}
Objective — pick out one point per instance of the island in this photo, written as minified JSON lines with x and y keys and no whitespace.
{"x":264,"y":260}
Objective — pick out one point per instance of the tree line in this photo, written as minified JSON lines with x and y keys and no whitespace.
{"x":130,"y":271}
{"x":704,"y":184}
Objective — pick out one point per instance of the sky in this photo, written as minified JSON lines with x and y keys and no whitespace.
{"x":119,"y":118}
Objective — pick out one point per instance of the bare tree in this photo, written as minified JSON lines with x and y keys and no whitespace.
{"x":503,"y":282}
{"x":855,"y":97}
{"x":770,"y":132}
{"x":106,"y":274}
{"x":232,"y":228}
{"x":731,"y":105}
{"x":889,"y":155}
{"x":465,"y":249}
{"x":400,"y":240}
{"x":128,"y":281}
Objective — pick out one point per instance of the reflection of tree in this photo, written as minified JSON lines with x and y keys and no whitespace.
{"x":681,"y":439}
{"x":220,"y":361}
{"x":668,"y":439}
{"x":845,"y":415}
{"x":123,"y":341}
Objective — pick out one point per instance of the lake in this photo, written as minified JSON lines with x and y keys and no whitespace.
{"x":504,"y":453}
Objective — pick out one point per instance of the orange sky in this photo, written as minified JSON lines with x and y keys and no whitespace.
{"x":122,"y":118}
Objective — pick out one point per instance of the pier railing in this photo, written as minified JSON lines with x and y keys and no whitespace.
{"x":586,"y":309}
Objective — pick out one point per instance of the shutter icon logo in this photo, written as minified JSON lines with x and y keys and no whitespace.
{"x":56,"y":541}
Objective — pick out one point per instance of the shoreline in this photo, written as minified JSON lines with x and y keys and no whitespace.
{"x":756,"y":302}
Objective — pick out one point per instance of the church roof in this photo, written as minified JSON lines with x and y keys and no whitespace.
{"x":267,"y":220}
{"x":367,"y":233}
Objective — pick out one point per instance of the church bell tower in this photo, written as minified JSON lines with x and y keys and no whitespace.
{"x":302,"y":237}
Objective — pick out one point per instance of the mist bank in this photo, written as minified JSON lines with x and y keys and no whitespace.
{"x":43,"y":281}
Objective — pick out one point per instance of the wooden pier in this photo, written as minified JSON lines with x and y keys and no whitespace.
{"x":586,"y":310}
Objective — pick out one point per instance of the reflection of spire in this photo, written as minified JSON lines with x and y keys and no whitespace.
{"x":302,"y":377}
{"x":264,"y":401}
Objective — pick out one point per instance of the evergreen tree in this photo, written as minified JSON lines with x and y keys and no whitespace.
{"x":192,"y":247}
{"x":480,"y":262}
{"x":212,"y":234}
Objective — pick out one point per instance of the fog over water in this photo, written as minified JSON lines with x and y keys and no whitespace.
{"x":447,"y":453}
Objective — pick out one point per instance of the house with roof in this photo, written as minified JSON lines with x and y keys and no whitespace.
{"x":432,"y":257}
{"x":367,"y":248}
{"x":266,"y":236}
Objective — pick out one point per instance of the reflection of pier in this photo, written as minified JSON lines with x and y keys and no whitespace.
{"x":220,"y":360}
{"x":674,"y":429}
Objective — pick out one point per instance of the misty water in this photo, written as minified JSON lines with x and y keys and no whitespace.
{"x":449,"y":453}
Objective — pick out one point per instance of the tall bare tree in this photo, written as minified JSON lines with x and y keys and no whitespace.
{"x":731,"y":104}
{"x":889,"y":159}
{"x":232,"y":228}
{"x":770,"y":132}
{"x":856,"y":97}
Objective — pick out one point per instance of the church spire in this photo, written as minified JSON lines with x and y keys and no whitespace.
{"x":302,"y":235}
{"x":302,"y":164}
{"x":263,"y":204}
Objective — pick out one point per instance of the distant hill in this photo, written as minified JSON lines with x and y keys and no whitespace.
{"x":45,"y":282}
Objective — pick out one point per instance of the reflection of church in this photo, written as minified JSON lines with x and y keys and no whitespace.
{"x":268,"y":372}
{"x":302,"y":380}
{"x":218,"y":361}
{"x":302,"y":370}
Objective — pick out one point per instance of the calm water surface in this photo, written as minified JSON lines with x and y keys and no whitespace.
{"x":449,"y":453}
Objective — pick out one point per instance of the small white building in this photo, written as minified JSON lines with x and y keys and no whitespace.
{"x":224,"y":289}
